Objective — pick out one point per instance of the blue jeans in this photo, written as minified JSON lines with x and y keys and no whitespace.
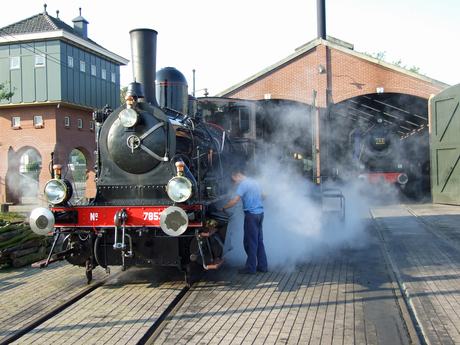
{"x":254,"y":242}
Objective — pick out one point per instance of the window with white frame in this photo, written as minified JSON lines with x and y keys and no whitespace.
{"x":67,"y":121}
{"x":103,"y":74}
{"x":91,"y":125}
{"x":39,"y":60}
{"x":93,"y":70}
{"x":38,"y":120}
{"x":113,"y":78}
{"x":14,"y":62}
{"x":15,"y":121}
{"x":80,"y":123}
{"x":82,"y":66}
{"x":69,"y":61}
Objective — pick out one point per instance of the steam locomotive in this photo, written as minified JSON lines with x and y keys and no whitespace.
{"x":160,"y":173}
{"x":378,"y":154}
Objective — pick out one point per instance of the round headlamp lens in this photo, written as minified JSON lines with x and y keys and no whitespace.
{"x":128,"y":117}
{"x":179,"y":189}
{"x":56,"y":191}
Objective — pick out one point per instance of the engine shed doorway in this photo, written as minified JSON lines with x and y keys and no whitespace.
{"x":402,"y":119}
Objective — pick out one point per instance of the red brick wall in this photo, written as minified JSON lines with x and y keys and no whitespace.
{"x":347,"y":76}
{"x":52,"y":137}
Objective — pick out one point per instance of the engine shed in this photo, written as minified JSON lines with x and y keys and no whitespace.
{"x":345,"y":90}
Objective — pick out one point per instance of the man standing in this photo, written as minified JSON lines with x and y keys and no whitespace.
{"x":252,"y":195}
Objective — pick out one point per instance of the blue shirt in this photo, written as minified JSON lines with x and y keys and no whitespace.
{"x":250,"y":192}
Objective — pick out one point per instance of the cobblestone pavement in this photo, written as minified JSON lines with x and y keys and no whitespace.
{"x":120,"y":312}
{"x":343,"y":298}
{"x":424,"y":242}
{"x":27,"y":293}
{"x":351,"y":296}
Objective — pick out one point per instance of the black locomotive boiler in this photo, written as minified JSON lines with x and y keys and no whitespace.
{"x":159,"y":174}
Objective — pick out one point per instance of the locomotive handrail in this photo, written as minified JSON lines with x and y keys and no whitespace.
{"x":146,"y":149}
{"x":151,"y":130}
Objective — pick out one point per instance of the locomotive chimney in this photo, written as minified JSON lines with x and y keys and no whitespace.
{"x":144,"y":53}
{"x":321,"y":17}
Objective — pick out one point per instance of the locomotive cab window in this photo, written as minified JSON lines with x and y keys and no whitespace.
{"x":240,"y":118}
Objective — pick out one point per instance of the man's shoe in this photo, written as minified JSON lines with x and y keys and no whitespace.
{"x":243,"y":271}
{"x":263,"y":271}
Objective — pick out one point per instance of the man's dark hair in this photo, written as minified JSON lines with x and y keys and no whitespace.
{"x":238,"y":171}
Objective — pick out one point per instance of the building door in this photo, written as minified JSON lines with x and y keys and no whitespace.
{"x":445,"y":146}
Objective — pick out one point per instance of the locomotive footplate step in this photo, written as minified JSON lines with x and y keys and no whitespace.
{"x":216,"y":263}
{"x":208,"y":233}
{"x":42,"y":263}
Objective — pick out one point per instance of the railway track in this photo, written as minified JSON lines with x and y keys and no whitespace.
{"x":53,"y":312}
{"x":131,"y":307}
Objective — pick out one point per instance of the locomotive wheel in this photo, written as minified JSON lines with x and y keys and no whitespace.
{"x":82,"y":249}
{"x":215,"y":246}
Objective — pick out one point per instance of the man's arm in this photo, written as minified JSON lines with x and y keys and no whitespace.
{"x":264,"y":195}
{"x":231,"y":203}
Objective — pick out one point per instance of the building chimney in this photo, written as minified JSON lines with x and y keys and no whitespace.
{"x":321,"y":17}
{"x":80,"y":25}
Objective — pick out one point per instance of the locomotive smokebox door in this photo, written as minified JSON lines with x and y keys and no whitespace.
{"x":139,"y":149}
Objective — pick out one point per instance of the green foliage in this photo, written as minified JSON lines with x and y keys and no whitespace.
{"x":79,"y":172}
{"x":381,"y":56}
{"x":79,"y":175}
{"x":10,"y":217}
{"x":4,"y":93}
{"x":32,"y":166}
{"x":80,"y":156}
{"x":123,"y":94}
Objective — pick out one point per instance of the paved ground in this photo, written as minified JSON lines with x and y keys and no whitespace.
{"x":351,"y":296}
{"x":424,"y":244}
{"x":346,"y":297}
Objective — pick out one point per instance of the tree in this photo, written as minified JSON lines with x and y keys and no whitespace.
{"x":381,"y":56}
{"x":4,"y":93}
{"x":123,"y":94}
{"x":32,"y":166}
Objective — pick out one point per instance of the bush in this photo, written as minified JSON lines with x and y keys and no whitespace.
{"x":33,"y":166}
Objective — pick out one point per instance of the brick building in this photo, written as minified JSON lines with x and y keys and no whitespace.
{"x":339,"y":83}
{"x":59,"y":76}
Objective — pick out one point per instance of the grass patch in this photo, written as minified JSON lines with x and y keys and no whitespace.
{"x":10,"y":217}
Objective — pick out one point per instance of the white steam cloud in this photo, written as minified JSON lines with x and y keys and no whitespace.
{"x":296,"y":228}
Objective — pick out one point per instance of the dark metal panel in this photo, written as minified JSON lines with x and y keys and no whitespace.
{"x":445,"y":146}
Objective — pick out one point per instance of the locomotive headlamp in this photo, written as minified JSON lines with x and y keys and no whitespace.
{"x":179,"y":188}
{"x":58,"y":191}
{"x":128,"y":117}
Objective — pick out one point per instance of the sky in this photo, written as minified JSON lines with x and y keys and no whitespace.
{"x":226,"y":42}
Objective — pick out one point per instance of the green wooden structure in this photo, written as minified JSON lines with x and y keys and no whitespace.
{"x":445,"y":146}
{"x":47,"y":60}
